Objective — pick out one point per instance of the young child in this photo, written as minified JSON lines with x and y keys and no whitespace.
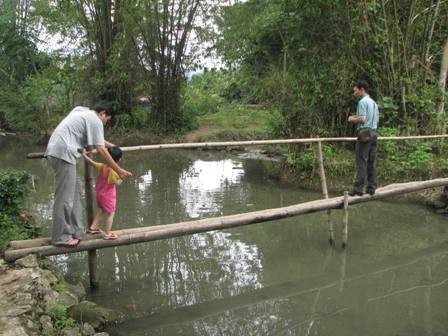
{"x":106,"y":194}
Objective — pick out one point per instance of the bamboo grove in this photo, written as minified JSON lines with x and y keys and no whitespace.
{"x":298,"y":56}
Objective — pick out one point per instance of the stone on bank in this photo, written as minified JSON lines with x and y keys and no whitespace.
{"x":33,"y":291}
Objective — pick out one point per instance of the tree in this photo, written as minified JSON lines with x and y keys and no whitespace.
{"x":163,"y":30}
{"x":304,"y":57}
{"x":19,"y":58}
{"x":98,"y":30}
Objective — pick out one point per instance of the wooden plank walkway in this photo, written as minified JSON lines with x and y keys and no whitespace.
{"x":42,"y":246}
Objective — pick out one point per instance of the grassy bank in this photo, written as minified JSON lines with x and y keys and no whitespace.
{"x":398,"y":161}
{"x":230,"y":123}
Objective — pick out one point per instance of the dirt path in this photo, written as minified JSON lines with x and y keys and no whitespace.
{"x":200,"y":134}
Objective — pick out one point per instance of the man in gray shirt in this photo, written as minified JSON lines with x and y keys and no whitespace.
{"x":82,"y":127}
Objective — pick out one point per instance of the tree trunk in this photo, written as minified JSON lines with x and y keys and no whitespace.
{"x":442,"y":86}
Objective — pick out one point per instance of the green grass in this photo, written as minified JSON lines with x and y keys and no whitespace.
{"x":239,"y":122}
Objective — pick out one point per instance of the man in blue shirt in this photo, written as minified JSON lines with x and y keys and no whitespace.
{"x":366,"y":118}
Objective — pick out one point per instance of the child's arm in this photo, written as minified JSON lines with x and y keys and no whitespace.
{"x":88,"y":159}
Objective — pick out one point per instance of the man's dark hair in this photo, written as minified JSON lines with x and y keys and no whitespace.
{"x":115,"y":152}
{"x":105,"y":106}
{"x":362,"y":85}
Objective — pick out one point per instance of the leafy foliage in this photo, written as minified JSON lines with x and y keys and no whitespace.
{"x":13,"y":189}
{"x":202,"y":94}
{"x":296,"y":57}
{"x":305,"y":56}
{"x":59,"y":317}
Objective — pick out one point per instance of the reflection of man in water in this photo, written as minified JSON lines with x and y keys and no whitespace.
{"x":367,"y":116}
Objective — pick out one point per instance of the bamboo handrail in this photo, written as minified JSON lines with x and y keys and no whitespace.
{"x":140,"y":235}
{"x":2,"y":133}
{"x":254,"y":143}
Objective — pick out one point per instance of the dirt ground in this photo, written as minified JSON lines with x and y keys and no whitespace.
{"x":145,"y":138}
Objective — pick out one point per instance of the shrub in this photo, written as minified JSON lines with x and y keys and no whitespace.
{"x":389,"y":111}
{"x":13,"y":187}
{"x":419,"y":162}
{"x":138,"y":118}
{"x":302,"y":162}
{"x":59,"y":318}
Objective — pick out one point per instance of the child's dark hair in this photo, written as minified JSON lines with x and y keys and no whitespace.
{"x":115,"y":152}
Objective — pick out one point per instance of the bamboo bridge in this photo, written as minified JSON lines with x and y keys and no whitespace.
{"x":43,"y":247}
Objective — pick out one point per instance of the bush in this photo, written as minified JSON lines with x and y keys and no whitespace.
{"x":138,"y":118}
{"x":419,"y":162}
{"x":59,"y":318}
{"x":302,"y":162}
{"x":13,"y":187}
{"x":198,"y":103}
{"x":389,"y":111}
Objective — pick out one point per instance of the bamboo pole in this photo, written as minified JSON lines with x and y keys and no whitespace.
{"x":92,"y":258}
{"x":343,"y":270}
{"x":345,"y":224}
{"x":428,"y":306}
{"x":186,"y":228}
{"x":442,"y":87}
{"x":2,"y":133}
{"x":254,"y":143}
{"x":323,"y":180}
{"x":29,"y":243}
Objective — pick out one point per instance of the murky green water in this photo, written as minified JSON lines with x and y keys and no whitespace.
{"x":274,"y":278}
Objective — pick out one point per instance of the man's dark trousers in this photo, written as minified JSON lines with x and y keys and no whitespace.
{"x":366,"y":164}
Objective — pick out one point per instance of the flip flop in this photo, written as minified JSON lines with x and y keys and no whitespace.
{"x":110,"y":236}
{"x":71,"y":243}
{"x":94,"y":231}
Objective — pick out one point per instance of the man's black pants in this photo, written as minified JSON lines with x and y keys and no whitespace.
{"x":366,"y":163}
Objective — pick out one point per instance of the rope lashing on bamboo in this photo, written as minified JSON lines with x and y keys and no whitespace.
{"x":151,"y":233}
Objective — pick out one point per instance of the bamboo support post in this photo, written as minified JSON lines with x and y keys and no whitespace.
{"x":428,"y":306}
{"x":345,"y":224}
{"x":323,"y":180}
{"x":92,"y":258}
{"x":343,"y":270}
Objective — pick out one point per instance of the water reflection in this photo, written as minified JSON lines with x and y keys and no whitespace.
{"x":319,"y":305}
{"x":204,"y":183}
{"x":275,"y":278}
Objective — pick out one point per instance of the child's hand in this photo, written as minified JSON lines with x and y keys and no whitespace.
{"x":84,"y":152}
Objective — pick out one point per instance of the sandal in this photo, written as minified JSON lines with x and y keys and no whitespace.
{"x":110,"y":236}
{"x":71,"y":243}
{"x":94,"y":231}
